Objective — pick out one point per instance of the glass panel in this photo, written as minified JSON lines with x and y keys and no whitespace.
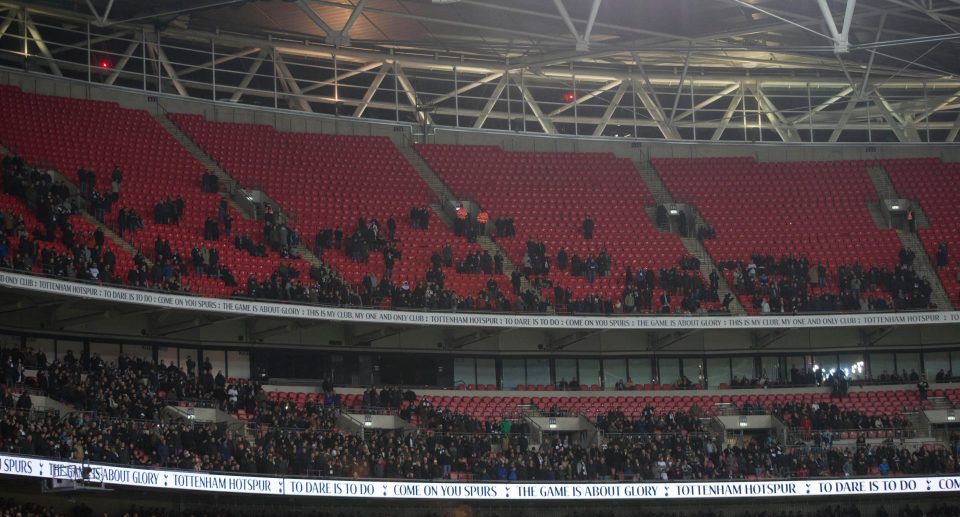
{"x":954,"y":363}
{"x":881,"y":366}
{"x":641,"y":371}
{"x":718,"y":371}
{"x":108,"y":352}
{"x":825,"y":362}
{"x":742,"y":367}
{"x":669,"y":370}
{"x":11,"y":341}
{"x":909,"y":363}
{"x":169,"y":355}
{"x":144,"y":352}
{"x":218,"y":361}
{"x":47,"y":346}
{"x":66,"y":345}
{"x":238,"y":364}
{"x":566,"y":370}
{"x":589,"y":371}
{"x":798,"y":370}
{"x":487,"y":371}
{"x":936,"y":365}
{"x":771,"y":368}
{"x":614,"y":371}
{"x":692,"y":368}
{"x":513,"y":373}
{"x":464,"y":371}
{"x":538,"y":371}
{"x":852,"y":366}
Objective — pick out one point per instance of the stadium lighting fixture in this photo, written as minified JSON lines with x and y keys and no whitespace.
{"x":674,"y":211}
{"x":743,"y":421}
{"x":894,"y":207}
{"x":951,"y":416}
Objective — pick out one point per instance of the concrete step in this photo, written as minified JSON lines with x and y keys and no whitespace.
{"x":909,"y":240}
{"x":923,"y":266}
{"x":707,"y":266}
{"x":653,"y":182}
{"x":113,"y":236}
{"x":444,"y":194}
{"x":652,"y":214}
{"x":107,"y":231}
{"x":231,"y":185}
{"x":940,"y":403}
{"x":881,"y":182}
{"x":877,"y":214}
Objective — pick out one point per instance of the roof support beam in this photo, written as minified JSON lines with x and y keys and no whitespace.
{"x":655,"y":111}
{"x":334,"y":37}
{"x":315,"y":18}
{"x":251,"y":73}
{"x":6,"y":24}
{"x":566,"y":18}
{"x":41,"y":45}
{"x":822,"y":106}
{"x":584,"y":43}
{"x":952,"y":135}
{"x":165,"y":63}
{"x":346,"y":75}
{"x":786,"y":132}
{"x":727,"y":115}
{"x":844,"y":118}
{"x":371,"y":91}
{"x":491,"y":102}
{"x":117,"y":68}
{"x":617,"y":97}
{"x":584,"y":98}
{"x":294,"y":89}
{"x":102,"y":19}
{"x":93,"y":41}
{"x":463,"y":89}
{"x":841,"y":40}
{"x":900,"y":125}
{"x":544,"y":121}
{"x":345,"y":31}
{"x":411,"y":93}
{"x":710,"y":100}
{"x":683,"y":77}
{"x":218,"y":61}
{"x":945,"y":104}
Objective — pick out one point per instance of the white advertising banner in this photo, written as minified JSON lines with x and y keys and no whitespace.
{"x":162,"y":479}
{"x":310,"y":312}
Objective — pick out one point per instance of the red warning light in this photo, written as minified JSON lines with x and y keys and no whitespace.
{"x":569,"y":96}
{"x":104,"y":64}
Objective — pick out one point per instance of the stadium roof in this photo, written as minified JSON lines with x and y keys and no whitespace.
{"x":884,"y":65}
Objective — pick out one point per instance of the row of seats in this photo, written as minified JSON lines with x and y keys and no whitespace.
{"x":886,"y":403}
{"x":69,"y":134}
{"x":328,"y":181}
{"x":937,"y":186}
{"x":549,"y":195}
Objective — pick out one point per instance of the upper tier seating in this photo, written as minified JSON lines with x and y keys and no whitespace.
{"x":486,"y":407}
{"x":549,"y":195}
{"x":329,"y":181}
{"x":813,"y":209}
{"x":68,"y":134}
{"x":937,"y":186}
